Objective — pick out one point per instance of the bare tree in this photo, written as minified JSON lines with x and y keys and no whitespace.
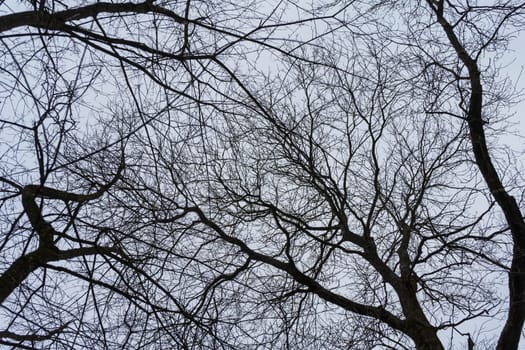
{"x":473,"y":31}
{"x":238,"y":175}
{"x":487,"y":35}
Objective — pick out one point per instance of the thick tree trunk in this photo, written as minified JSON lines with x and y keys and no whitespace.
{"x":511,"y":334}
{"x":427,"y":340}
{"x":16,"y":274}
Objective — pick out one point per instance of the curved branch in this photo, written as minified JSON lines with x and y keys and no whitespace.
{"x":46,"y":20}
{"x":24,"y":265}
{"x":377,"y":312}
{"x":511,"y":334}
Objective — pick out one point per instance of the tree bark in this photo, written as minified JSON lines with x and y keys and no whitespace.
{"x":17,"y":273}
{"x":427,"y":340}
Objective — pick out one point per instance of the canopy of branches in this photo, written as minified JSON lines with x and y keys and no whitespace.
{"x":259,"y":175}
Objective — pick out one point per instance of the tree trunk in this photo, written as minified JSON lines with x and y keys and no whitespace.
{"x":511,"y":334}
{"x":427,"y":339}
